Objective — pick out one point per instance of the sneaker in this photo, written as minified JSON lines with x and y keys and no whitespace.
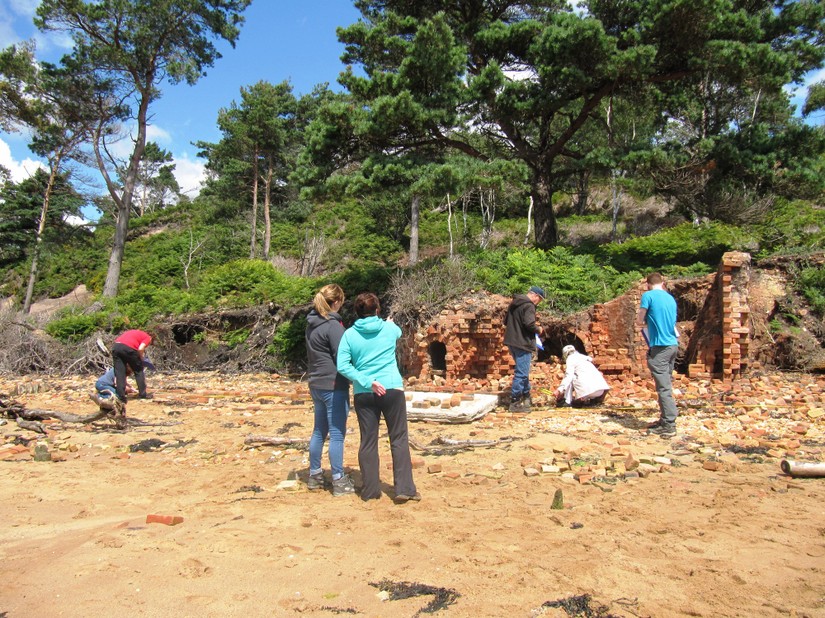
{"x":315,"y":481}
{"x":663,"y":431}
{"x":404,"y":498}
{"x":146,"y":396}
{"x":343,"y":486}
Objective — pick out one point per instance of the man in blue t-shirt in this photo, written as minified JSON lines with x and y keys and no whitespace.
{"x":657,"y":314}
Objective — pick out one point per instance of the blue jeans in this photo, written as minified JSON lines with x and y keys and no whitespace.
{"x":331,"y":410}
{"x":521,"y":377}
{"x":104,"y":389}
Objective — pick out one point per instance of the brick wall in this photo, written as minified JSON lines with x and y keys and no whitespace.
{"x":465,"y":341}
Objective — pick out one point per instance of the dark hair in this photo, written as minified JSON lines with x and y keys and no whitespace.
{"x":654,"y":279}
{"x":367,"y":305}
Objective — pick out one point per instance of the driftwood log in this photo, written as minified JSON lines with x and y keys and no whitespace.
{"x":276,"y":441}
{"x":448,"y":444}
{"x":27,"y":419}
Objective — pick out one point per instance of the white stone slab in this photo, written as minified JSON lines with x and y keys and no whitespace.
{"x":467,"y":412}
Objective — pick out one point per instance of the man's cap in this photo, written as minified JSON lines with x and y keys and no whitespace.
{"x":537,"y":291}
{"x":567,"y":351}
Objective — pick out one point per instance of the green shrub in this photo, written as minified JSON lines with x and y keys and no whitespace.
{"x":683,"y":245}
{"x":73,"y":327}
{"x":236,"y":337}
{"x":244,"y":283}
{"x":288,"y":344}
{"x":358,"y":278}
{"x":350,"y":235}
{"x":571,"y":282}
{"x":143,"y":302}
{"x":811,"y":282}
{"x":793,"y":227}
{"x":694,"y":270}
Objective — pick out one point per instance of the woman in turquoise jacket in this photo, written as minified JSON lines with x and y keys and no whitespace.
{"x":366,"y":356}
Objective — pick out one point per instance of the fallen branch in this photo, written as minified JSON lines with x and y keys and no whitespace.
{"x":31,"y":425}
{"x":454,"y":446}
{"x":27,"y":419}
{"x":66,"y":417}
{"x":26,"y":326}
{"x":276,"y":441}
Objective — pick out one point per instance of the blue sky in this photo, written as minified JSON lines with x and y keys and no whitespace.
{"x":281,"y":40}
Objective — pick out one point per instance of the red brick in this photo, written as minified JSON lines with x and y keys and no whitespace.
{"x":169,"y":520}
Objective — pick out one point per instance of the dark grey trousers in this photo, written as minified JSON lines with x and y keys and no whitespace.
{"x":661,"y":361}
{"x":369,"y":408}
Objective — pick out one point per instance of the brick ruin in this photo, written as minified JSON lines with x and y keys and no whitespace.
{"x":465,"y":340}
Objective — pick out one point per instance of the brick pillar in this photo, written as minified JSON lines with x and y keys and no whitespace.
{"x":736,"y":332}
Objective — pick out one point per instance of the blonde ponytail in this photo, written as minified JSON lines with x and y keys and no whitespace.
{"x":325,"y":297}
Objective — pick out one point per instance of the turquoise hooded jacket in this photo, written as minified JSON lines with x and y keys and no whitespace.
{"x":366,"y":354}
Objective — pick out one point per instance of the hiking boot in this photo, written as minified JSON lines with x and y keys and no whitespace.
{"x":315,"y":481}
{"x":521,"y":406}
{"x":404,"y":498}
{"x":343,"y":486}
{"x":528,"y":401}
{"x":663,"y":431}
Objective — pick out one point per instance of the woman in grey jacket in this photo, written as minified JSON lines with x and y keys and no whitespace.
{"x":329,"y":390}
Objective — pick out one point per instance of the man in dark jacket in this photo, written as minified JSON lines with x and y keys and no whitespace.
{"x":520,"y":335}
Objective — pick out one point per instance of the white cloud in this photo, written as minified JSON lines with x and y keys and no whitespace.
{"x":814,"y":76}
{"x":76,"y":221}
{"x":189,"y":174}
{"x":155,"y":133}
{"x":20,"y":170}
{"x":123,"y":145}
{"x":25,"y":8}
{"x":16,"y":25}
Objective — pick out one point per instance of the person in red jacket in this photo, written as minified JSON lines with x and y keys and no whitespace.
{"x":130,"y":349}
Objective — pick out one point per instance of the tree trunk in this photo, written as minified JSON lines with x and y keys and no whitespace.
{"x":450,"y":222}
{"x":124,"y":201}
{"x":547,"y":233}
{"x":617,"y":202}
{"x":267,"y":203}
{"x":582,"y":191}
{"x":254,"y":239}
{"x":41,"y":226}
{"x":414,"y":211}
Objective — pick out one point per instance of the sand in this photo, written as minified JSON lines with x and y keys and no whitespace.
{"x":714,"y":529}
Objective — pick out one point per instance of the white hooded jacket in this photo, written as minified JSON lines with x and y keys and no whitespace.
{"x":581,"y":378}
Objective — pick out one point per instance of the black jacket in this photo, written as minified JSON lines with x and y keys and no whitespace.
{"x":322,"y":339}
{"x":520,"y":324}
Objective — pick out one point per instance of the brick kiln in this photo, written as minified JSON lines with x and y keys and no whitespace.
{"x":465,"y":340}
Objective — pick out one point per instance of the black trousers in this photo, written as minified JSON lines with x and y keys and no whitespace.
{"x":369,"y":408}
{"x":123,"y":355}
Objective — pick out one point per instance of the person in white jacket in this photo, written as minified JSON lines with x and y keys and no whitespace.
{"x":583,"y":384}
